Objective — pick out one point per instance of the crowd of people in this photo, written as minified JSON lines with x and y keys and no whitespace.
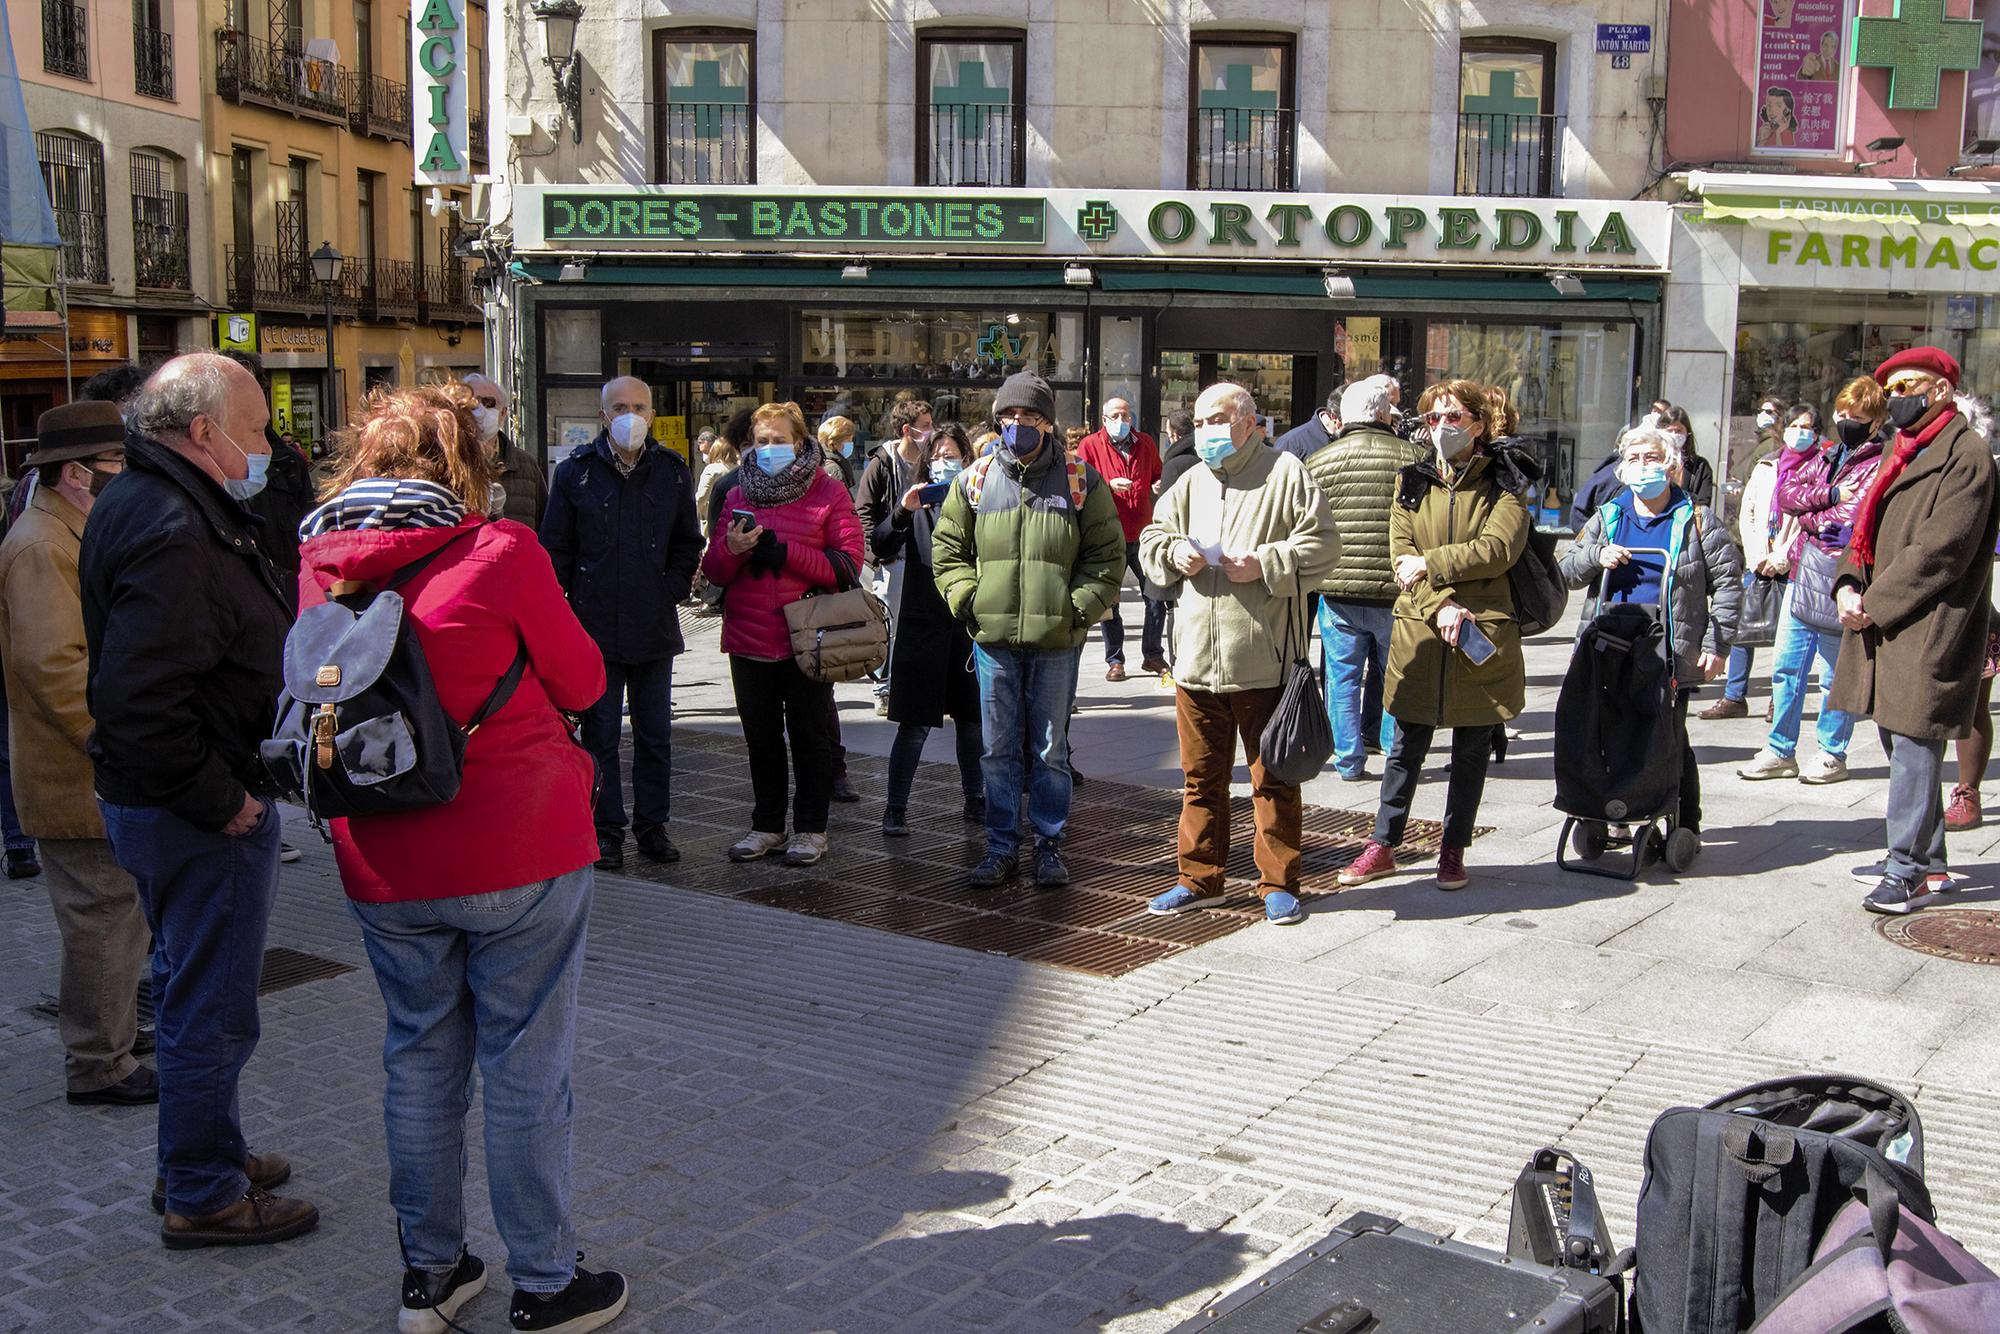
{"x":149,"y":583}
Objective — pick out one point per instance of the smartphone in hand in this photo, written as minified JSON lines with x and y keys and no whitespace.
{"x":743,"y":519}
{"x":1474,"y":643}
{"x":934,"y":493}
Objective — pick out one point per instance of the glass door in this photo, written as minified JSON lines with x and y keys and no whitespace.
{"x":1275,"y":379}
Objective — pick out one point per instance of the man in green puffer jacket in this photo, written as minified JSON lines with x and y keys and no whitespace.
{"x":1243,"y":539}
{"x":1028,"y":553}
{"x":1357,"y":599}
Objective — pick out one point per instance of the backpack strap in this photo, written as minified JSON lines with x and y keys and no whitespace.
{"x":502,"y":692}
{"x":975,"y":480}
{"x":1079,"y":484}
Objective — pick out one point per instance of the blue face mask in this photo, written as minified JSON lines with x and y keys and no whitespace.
{"x":943,"y":470}
{"x":1020,"y":438}
{"x":1647,"y":480}
{"x":774,"y":459}
{"x":847,"y":450}
{"x":1214,"y":444}
{"x":242,"y":488}
{"x":1801,"y":438}
{"x":1117,"y":428}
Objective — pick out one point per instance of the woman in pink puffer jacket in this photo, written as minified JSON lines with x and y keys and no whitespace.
{"x":780,"y":524}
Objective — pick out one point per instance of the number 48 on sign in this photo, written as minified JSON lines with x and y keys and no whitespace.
{"x":437,"y":106}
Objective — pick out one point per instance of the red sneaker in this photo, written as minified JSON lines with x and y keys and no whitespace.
{"x":1451,"y":868}
{"x":1376,"y":860}
{"x":1964,"y":812}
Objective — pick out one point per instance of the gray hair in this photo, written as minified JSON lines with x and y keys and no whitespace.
{"x":1365,"y":401}
{"x":195,"y":385}
{"x":1653,"y":435}
{"x":1240,"y":402}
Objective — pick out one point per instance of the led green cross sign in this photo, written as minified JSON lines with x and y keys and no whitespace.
{"x":1238,"y":101}
{"x":1915,"y":46}
{"x":1500,"y":109}
{"x":972,"y":97}
{"x":708,"y":95}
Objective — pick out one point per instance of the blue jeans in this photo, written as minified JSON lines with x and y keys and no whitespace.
{"x":1353,"y":637}
{"x":1154,"y":632}
{"x":208,"y":900}
{"x":651,"y":687}
{"x":491,"y":978}
{"x":1024,"y":698}
{"x":1736,"y":685}
{"x":1791,"y":668}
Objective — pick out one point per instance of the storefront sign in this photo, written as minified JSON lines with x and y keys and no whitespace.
{"x":437,"y":102}
{"x":94,"y":336}
{"x":303,"y":339}
{"x":1390,"y":229}
{"x":1798,"y":78}
{"x":236,"y":333}
{"x":281,"y":401}
{"x":1891,"y":248}
{"x":1982,"y":209}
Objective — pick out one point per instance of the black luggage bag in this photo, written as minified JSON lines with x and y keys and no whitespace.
{"x":1375,"y":1276}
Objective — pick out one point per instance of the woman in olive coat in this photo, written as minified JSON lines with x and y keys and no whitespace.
{"x":1456,"y":528}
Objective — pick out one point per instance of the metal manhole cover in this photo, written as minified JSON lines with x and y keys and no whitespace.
{"x":1968,"y":935}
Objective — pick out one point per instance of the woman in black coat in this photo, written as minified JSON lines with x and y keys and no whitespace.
{"x":930,"y":660}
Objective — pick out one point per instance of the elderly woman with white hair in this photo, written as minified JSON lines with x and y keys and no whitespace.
{"x":519,"y":475}
{"x":1698,"y":584}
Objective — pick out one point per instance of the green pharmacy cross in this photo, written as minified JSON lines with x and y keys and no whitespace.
{"x":707,"y":94}
{"x":973,"y":98}
{"x":1097,"y":220}
{"x":1500,"y":108}
{"x":1239,"y":99}
{"x":1916,"y":46}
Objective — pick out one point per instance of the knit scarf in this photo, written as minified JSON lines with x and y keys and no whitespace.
{"x":1869,"y":517}
{"x":762,"y":488}
{"x":385,"y":503}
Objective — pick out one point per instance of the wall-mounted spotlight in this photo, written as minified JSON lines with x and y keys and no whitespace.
{"x":1077,"y":275}
{"x":1566,"y":284}
{"x":854,"y":273}
{"x":1339,"y":287}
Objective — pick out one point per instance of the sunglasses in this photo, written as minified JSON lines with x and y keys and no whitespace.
{"x":1448,"y":418}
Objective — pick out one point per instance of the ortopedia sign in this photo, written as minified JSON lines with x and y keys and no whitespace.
{"x":437,"y":103}
{"x":1389,"y":229}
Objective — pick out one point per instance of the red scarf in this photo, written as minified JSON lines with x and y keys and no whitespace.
{"x":1869,"y":516}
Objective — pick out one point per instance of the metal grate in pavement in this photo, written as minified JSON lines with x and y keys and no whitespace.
{"x":1119,"y":846}
{"x":283,"y":968}
{"x":1968,"y":935}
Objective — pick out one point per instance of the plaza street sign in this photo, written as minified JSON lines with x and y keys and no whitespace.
{"x":438,"y":59}
{"x":1630,"y":236}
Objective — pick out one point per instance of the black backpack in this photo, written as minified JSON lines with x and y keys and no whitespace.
{"x":1541,"y":594}
{"x":1738,"y":1194}
{"x":360,"y":729}
{"x":1617,"y":748}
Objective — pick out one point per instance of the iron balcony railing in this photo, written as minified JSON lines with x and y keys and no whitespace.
{"x":73,"y":174}
{"x":153,"y":61}
{"x":65,"y":39}
{"x":250,"y":69}
{"x":160,"y":240}
{"x":448,"y":295}
{"x":475,"y":133}
{"x":707,"y":143}
{"x":383,"y":289}
{"x":1242,"y":148}
{"x":973,"y":144}
{"x":267,"y":278}
{"x":1515,"y":156}
{"x":381,"y":108}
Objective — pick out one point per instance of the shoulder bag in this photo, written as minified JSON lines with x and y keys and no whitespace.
{"x":842,"y":635}
{"x":1298,"y":740}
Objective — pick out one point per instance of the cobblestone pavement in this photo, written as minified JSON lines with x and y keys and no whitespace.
{"x":790,"y":1124}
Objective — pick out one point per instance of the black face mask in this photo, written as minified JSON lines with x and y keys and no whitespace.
{"x":1906,"y":410}
{"x":1851,"y":432}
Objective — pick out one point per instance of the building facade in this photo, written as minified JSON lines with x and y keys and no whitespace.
{"x":840,"y":202}
{"x":308,"y":143}
{"x":113,"y":95}
{"x":1840,"y":159}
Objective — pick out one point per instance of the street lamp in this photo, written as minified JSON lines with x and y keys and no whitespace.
{"x":558,"y":19}
{"x":326,"y":266}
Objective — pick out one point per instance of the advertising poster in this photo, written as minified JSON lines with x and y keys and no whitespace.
{"x":1982,"y":91}
{"x":1799,"y":64}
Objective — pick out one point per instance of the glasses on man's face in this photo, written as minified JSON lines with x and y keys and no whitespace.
{"x":1453,"y":418}
{"x":1025,"y":415}
{"x":487,"y":402}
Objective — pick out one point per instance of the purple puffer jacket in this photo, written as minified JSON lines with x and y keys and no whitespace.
{"x":1807,"y":491}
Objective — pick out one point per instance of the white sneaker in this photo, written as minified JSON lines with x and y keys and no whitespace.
{"x":1824,"y":768}
{"x":805,"y":849}
{"x":754,"y":845}
{"x":1767,"y":763}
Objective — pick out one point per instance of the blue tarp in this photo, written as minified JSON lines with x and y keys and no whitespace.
{"x":25,"y":216}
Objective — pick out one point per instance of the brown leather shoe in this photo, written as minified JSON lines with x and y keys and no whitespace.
{"x":258,"y":1219}
{"x":1725,"y":708}
{"x":1115,"y":672}
{"x":265,"y":1170}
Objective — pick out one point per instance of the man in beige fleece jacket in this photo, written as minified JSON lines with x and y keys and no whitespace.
{"x":1241,"y":540}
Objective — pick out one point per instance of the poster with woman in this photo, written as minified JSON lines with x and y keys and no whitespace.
{"x":1799,"y":65}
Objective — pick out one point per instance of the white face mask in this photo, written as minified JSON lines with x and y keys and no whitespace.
{"x":487,"y":420}
{"x":628,"y":432}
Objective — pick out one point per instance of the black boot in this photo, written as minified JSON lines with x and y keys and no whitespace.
{"x":895,"y":822}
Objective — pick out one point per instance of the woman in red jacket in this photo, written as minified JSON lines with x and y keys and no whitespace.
{"x":473,"y":912}
{"x":783,"y":522}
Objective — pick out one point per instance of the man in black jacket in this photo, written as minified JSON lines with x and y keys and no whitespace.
{"x":621,"y":530}
{"x":185,"y":624}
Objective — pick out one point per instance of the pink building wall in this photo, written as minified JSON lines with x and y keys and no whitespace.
{"x":1711,"y":92}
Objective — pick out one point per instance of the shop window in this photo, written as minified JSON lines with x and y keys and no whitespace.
{"x":1241,"y":113}
{"x":971,"y":92}
{"x":1571,"y":383}
{"x":73,"y":172}
{"x":954,"y":358}
{"x":704,"y":107}
{"x":1509,"y":137}
{"x":1274,"y":380}
{"x":1121,"y":360}
{"x":572,"y":341}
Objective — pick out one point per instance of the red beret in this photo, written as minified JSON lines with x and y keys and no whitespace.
{"x":1930,"y":360}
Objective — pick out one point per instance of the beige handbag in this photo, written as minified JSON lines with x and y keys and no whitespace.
{"x":842,"y":635}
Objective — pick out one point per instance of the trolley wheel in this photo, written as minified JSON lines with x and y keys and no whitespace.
{"x":1590,"y":838}
{"x":1683,"y":846}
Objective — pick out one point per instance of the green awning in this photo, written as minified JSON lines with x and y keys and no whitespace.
{"x":879,"y":275}
{"x":1451,"y":286}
